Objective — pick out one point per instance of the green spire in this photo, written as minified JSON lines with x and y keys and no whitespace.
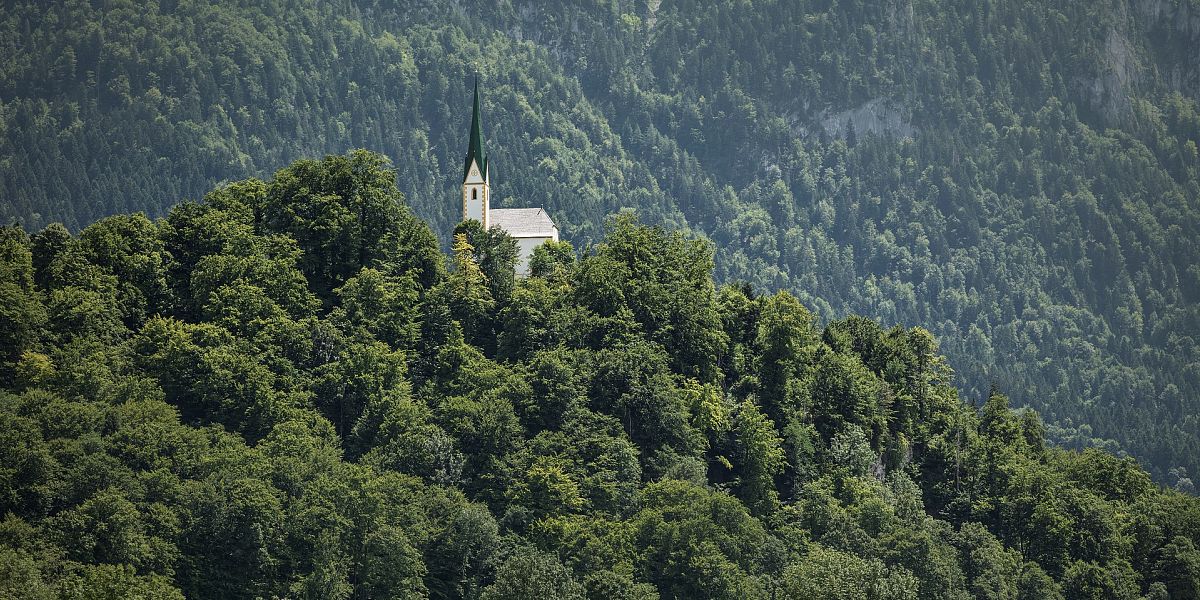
{"x":475,"y":146}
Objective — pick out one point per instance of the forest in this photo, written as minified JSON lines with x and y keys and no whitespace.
{"x":1021,"y":178}
{"x":288,"y":390}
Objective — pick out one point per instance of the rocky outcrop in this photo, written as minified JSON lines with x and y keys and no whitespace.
{"x":1109,"y":92}
{"x":1168,"y":19}
{"x":1182,"y":16}
{"x":877,"y":116}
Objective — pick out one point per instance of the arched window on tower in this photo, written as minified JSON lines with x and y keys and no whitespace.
{"x":474,"y":193}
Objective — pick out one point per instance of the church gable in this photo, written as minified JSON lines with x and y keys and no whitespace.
{"x":531,"y":227}
{"x":474,"y":174}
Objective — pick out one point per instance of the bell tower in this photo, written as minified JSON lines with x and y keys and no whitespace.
{"x":527,"y":227}
{"x":476,"y":187}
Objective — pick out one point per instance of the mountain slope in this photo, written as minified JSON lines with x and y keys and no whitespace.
{"x":1020,"y":177}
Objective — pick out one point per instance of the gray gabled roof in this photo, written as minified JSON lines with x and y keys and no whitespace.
{"x":523,"y":222}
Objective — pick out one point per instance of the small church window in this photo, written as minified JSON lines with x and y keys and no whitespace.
{"x":474,"y":193}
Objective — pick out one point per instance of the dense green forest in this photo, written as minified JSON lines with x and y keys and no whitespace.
{"x":287,"y":390}
{"x":1019,"y":177}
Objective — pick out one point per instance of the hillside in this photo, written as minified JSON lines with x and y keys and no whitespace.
{"x":1021,"y":178}
{"x":242,"y":401}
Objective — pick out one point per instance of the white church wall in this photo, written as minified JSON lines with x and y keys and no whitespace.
{"x":475,"y":205}
{"x":475,"y":195}
{"x":525,"y":248}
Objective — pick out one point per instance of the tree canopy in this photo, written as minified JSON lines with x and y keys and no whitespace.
{"x":1020,"y":178}
{"x":213,"y":404}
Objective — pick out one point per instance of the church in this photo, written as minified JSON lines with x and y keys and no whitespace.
{"x":530,"y":227}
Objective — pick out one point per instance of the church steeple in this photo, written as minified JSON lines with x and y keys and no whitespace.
{"x":529,"y":227}
{"x":476,"y":187}
{"x":475,"y":145}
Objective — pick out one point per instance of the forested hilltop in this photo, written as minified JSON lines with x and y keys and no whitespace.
{"x":287,"y":390}
{"x":1020,"y":177}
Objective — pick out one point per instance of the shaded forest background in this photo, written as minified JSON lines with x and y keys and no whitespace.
{"x":1019,"y":177}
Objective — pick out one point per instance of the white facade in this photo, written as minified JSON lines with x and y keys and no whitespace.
{"x":530,"y":227}
{"x":476,"y":192}
{"x":525,"y":248}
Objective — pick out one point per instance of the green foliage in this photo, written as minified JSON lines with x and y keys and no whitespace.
{"x":468,"y":292}
{"x":209,"y":406}
{"x":552,"y":258}
{"x":1179,"y":568}
{"x":496,"y":254}
{"x":533,"y":575}
{"x":21,"y":307}
{"x":345,"y":213}
{"x":831,"y":575}
{"x":1021,"y":177}
{"x":759,"y":459}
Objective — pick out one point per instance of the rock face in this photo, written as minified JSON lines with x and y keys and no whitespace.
{"x":1181,"y":16}
{"x":1123,"y":66}
{"x":1108,"y":93}
{"x":1167,"y":19}
{"x":877,"y":116}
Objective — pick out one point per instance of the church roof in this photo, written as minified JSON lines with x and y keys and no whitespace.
{"x":475,"y":145}
{"x":523,"y":222}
